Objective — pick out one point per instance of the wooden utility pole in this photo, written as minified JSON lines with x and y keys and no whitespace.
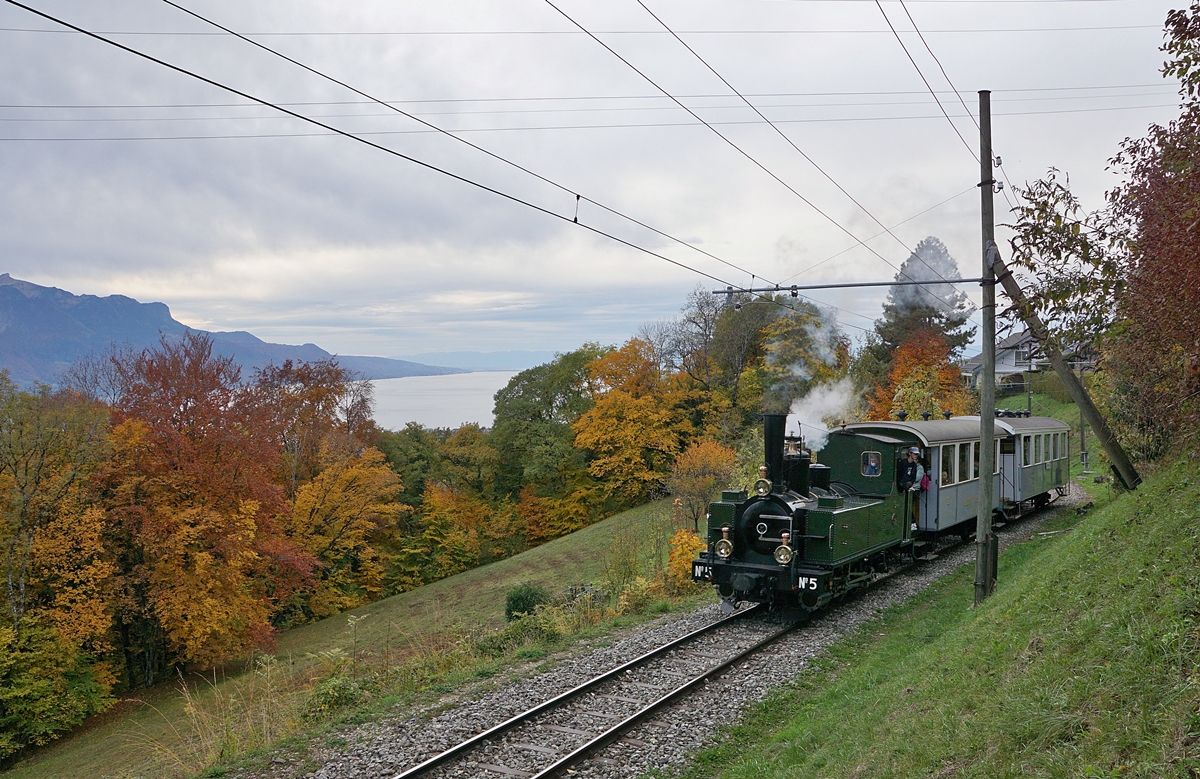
{"x":985,"y":560}
{"x":1122,"y":466}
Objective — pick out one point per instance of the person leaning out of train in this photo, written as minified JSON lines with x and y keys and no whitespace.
{"x":912,"y":476}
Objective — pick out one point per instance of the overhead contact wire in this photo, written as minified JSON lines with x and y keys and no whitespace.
{"x":449,"y":134}
{"x":364,"y":141}
{"x":798,"y":150}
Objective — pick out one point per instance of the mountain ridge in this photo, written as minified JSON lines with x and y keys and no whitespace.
{"x":45,"y":329}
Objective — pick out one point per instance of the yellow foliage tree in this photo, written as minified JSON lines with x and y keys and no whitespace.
{"x":73,"y":573}
{"x":685,"y":545}
{"x":334,"y":518}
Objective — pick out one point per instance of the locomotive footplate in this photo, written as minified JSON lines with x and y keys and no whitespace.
{"x":749,"y":577}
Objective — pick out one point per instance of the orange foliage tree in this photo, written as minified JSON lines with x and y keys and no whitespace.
{"x":702,"y":470}
{"x":922,"y":378}
{"x":637,"y":424}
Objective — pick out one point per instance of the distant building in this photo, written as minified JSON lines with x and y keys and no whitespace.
{"x":1017,"y":354}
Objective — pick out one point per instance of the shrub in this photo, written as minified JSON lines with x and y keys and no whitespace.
{"x":543,"y":626}
{"x":638,"y":595}
{"x":330,"y":695}
{"x":685,"y":545}
{"x":524,"y":599}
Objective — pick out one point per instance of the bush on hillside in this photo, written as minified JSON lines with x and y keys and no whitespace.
{"x":524,"y":599}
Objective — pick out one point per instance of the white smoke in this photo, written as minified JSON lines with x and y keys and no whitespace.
{"x":824,"y":405}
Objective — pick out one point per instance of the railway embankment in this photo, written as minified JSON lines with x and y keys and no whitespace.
{"x":1085,"y":662}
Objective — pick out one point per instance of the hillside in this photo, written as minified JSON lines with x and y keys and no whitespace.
{"x":1086,"y":662}
{"x":45,"y":329}
{"x":153,"y":734}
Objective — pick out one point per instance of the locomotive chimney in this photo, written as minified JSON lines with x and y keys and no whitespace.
{"x":773,"y":430}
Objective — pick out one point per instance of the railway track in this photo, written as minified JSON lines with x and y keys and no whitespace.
{"x":572,"y":727}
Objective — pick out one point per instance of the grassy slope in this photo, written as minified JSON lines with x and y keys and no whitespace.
{"x":1086,"y":662}
{"x":120,"y":743}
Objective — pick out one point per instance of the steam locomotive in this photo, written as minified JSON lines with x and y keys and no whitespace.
{"x":812,"y":532}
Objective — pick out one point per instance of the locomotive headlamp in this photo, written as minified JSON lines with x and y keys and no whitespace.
{"x":783,"y":552}
{"x":724,"y":547}
{"x":762,"y":487}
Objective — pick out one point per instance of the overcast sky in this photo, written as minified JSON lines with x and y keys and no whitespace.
{"x":121,"y":176}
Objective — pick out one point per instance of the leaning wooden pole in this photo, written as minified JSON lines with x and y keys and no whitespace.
{"x":1116,"y":455}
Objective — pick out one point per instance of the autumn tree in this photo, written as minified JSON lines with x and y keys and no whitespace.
{"x":48,"y":444}
{"x":337,"y":518}
{"x":636,"y":426}
{"x":700,"y":472}
{"x":192,"y":488}
{"x":922,"y":378}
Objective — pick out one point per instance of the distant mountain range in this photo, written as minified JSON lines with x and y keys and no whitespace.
{"x":517,"y":360}
{"x":45,"y":329}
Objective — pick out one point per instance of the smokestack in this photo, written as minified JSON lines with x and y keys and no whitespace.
{"x":773,"y":431}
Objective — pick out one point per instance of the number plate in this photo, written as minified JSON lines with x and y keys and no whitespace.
{"x":701,"y":572}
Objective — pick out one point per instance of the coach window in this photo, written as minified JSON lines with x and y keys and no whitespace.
{"x":964,"y":462}
{"x":872,"y":463}
{"x":1037,"y":449}
{"x":996,"y":459}
{"x":1055,"y":446}
{"x":947,"y":465}
{"x":1008,"y":445}
{"x":1026,"y":450}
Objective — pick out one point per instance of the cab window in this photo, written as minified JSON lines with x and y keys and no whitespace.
{"x":872,"y":463}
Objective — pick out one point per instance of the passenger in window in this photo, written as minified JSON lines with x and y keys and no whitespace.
{"x":872,"y":465}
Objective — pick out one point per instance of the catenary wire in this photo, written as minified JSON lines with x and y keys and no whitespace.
{"x":790,"y":142}
{"x":957,"y":94}
{"x":372,"y":144}
{"x":727,"y":140}
{"x":908,"y":54}
{"x":393,"y":152}
{"x":1170,"y":89}
{"x":419,"y":33}
{"x":622,"y":126}
{"x":488,"y":112}
{"x":449,"y":134}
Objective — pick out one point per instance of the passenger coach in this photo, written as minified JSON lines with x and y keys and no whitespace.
{"x":1030,"y":461}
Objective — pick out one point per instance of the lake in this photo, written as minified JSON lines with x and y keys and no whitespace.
{"x":438,"y":401}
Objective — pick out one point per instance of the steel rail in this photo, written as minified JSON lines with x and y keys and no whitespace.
{"x":615,"y":733}
{"x":509,"y":724}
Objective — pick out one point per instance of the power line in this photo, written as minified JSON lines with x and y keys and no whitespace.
{"x":957,"y":94}
{"x":620,"y":126}
{"x":567,"y":98}
{"x":789,"y":141}
{"x":467,"y":33}
{"x":487,"y":112}
{"x":900,"y":40}
{"x":442,"y":131}
{"x":727,"y":140}
{"x":372,"y":144}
